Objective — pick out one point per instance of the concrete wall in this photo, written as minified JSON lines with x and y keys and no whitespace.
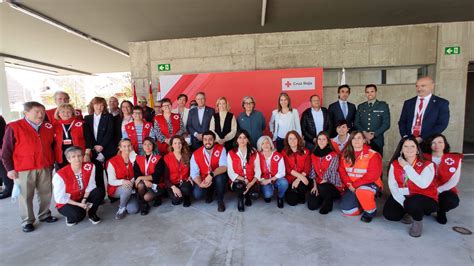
{"x":411,"y":45}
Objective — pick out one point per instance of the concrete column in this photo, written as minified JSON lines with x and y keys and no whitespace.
{"x":4,"y":99}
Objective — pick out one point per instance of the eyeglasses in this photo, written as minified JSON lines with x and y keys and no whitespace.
{"x":142,"y":101}
{"x":248,"y":103}
{"x":137,"y":113}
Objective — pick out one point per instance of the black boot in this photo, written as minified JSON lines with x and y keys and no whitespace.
{"x":441,"y":217}
{"x":248,"y":200}
{"x":268,"y":200}
{"x":145,"y":208}
{"x":240,"y":204}
{"x":157,"y":201}
{"x":280,"y":203}
{"x":186,"y":201}
{"x":326,"y":207}
{"x":220,"y":206}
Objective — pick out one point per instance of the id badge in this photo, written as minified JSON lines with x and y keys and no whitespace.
{"x":67,"y":142}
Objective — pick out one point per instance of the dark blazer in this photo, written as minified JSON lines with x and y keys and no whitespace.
{"x":373,"y":119}
{"x":308,"y":128}
{"x":148,"y":114}
{"x":335,"y":115}
{"x":105,"y":135}
{"x":193,"y":125}
{"x":435,"y":119}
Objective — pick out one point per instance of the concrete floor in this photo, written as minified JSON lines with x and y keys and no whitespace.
{"x":263,"y":234}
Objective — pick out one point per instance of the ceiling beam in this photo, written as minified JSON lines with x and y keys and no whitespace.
{"x":44,"y":64}
{"x":264,"y":11}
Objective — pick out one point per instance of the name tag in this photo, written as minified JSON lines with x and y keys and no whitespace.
{"x":378,"y":111}
{"x":67,"y":142}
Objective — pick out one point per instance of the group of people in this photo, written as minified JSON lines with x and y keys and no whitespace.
{"x":148,"y":154}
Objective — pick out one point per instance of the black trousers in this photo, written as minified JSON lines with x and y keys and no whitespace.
{"x":99,"y":176}
{"x":416,"y":205}
{"x":447,"y":201}
{"x":327,"y":194}
{"x":296,"y":195}
{"x":186,"y":192}
{"x":7,"y":182}
{"x":240,"y":186}
{"x":75,"y":214}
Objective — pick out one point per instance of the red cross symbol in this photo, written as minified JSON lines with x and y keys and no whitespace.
{"x":288,"y":84}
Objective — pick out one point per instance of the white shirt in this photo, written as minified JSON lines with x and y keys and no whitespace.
{"x":341,"y":103}
{"x":194,"y":167}
{"x":96,"y":124}
{"x":59,"y":188}
{"x":281,"y":123}
{"x":341,"y":145}
{"x":422,"y":180}
{"x":281,"y":166}
{"x":318,"y":119}
{"x":426,"y":100}
{"x":201,"y":113}
{"x":230,"y":170}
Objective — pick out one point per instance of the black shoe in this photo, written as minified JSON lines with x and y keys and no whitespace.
{"x":94,"y":219}
{"x":302,"y":200}
{"x":186,"y":202}
{"x":145,"y":208}
{"x":325,"y":208}
{"x":366,"y":217}
{"x":220,"y":206}
{"x":441,"y":218}
{"x":268,"y":200}
{"x":248,"y":201}
{"x":240,"y":205}
{"x":50,"y":219}
{"x":209,"y":198}
{"x":157,"y":202}
{"x":28,"y":228}
{"x":5,"y":195}
{"x":280,"y":203}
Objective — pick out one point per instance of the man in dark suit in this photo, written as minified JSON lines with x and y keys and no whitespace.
{"x":341,"y":110}
{"x":199,"y":119}
{"x":373,"y":119}
{"x":424,"y":115}
{"x":314,"y":120}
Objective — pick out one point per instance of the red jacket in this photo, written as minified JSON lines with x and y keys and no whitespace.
{"x":32,"y":150}
{"x":76,"y":134}
{"x":132,"y":133}
{"x":175,"y":123}
{"x":206,"y":167}
{"x":70,"y":181}
{"x":399,"y":174}
{"x":450,"y":162}
{"x":298,"y":162}
{"x":122,"y":171}
{"x":178,"y":171}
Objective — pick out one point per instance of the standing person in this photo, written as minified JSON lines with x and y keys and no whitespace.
{"x":157,"y":108}
{"x":223,"y":124}
{"x":341,"y":110}
{"x":199,"y":120}
{"x":113,"y":104}
{"x":181,"y":109}
{"x":100,"y":137}
{"x":327,"y":185}
{"x":138,"y":130}
{"x":314,"y":120}
{"x":60,"y":97}
{"x":272,"y":166}
{"x":373,"y":119}
{"x":360,"y":169}
{"x":176,"y":175}
{"x":74,"y":189}
{"x":339,"y":142}
{"x":424,"y":115}
{"x":69,"y":131}
{"x":148,"y":112}
{"x":167,"y":124}
{"x":298,"y":166}
{"x":251,"y":120}
{"x":121,"y":179}
{"x":126,"y":111}
{"x":7,"y":182}
{"x":149,"y":169}
{"x":115,"y":111}
{"x":243,"y":168}
{"x":208,"y":170}
{"x":27,"y":154}
{"x":412,"y":186}
{"x":284,"y":119}
{"x":448,"y":173}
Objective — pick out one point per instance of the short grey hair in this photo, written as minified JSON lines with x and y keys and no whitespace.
{"x":71,"y":150}
{"x":261,"y":140}
{"x":60,"y":92}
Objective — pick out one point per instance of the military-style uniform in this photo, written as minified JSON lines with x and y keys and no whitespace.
{"x":374,"y":117}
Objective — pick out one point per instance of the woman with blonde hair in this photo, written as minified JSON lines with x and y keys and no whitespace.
{"x":284,"y":119}
{"x":223,"y":123}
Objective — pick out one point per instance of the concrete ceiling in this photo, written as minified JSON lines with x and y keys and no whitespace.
{"x":121,"y":21}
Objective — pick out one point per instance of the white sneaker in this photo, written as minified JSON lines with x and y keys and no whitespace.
{"x":121,"y":213}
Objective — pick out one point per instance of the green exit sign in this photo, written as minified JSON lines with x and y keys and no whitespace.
{"x":164,"y":67}
{"x":452,"y":50}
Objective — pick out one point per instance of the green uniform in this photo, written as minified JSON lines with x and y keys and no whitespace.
{"x":375,"y":118}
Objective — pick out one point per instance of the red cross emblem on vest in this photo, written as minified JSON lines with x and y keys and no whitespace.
{"x":48,"y":125}
{"x":176,"y":117}
{"x":276,"y":158}
{"x":153,"y":160}
{"x":449,"y":161}
{"x":78,"y":124}
{"x":147,"y":126}
{"x":217,"y":153}
{"x":328,"y":157}
{"x":87,"y":167}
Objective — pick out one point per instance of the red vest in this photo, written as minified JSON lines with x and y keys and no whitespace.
{"x":178,"y":171}
{"x":141,"y":161}
{"x":122,"y":171}
{"x":132,"y":133}
{"x":249,"y":172}
{"x":321,"y":165}
{"x":70,"y":181}
{"x":269,"y":172}
{"x":76,"y":134}
{"x":206,"y":167}
{"x":448,"y":165}
{"x":431,"y":191}
{"x":32,"y":150}
{"x":50,"y":114}
{"x":295,"y":162}
{"x":175,"y":123}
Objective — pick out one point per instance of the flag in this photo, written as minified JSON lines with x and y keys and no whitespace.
{"x":135,"y":101}
{"x":151,"y":103}
{"x":343,"y":77}
{"x":158,"y":90}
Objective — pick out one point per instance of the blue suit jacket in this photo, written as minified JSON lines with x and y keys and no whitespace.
{"x":193,"y":125}
{"x":435,"y":119}
{"x":335,"y":115}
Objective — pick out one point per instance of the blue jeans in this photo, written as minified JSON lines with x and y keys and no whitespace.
{"x":218,"y":185}
{"x":281,"y":184}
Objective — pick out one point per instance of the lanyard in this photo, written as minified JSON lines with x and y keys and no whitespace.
{"x":66,"y":132}
{"x":206,"y":160}
{"x":406,"y":178}
{"x":243,"y":161}
{"x":147,"y":163}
